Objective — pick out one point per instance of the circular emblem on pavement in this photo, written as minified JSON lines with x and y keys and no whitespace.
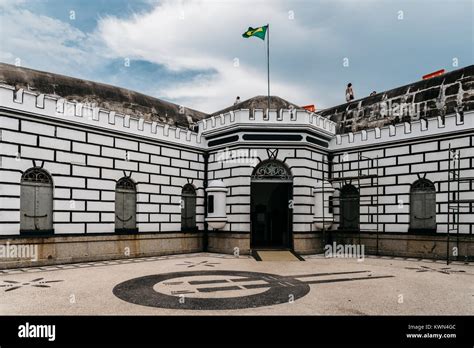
{"x":211,"y":290}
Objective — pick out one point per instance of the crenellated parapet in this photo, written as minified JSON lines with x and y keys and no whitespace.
{"x":405,"y":131}
{"x":57,"y":108}
{"x":263,"y":118}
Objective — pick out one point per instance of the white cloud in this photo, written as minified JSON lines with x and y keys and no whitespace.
{"x":207,"y":35}
{"x":182,"y":36}
{"x":45,"y":43}
{"x":307,"y":52}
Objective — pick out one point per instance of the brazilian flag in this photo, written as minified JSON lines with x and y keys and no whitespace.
{"x":258,"y":32}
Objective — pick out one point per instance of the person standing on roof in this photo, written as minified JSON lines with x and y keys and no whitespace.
{"x":349,"y":92}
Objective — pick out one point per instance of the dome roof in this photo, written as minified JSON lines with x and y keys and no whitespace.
{"x":260,"y":102}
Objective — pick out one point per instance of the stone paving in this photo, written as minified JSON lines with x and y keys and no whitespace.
{"x":223,"y":284}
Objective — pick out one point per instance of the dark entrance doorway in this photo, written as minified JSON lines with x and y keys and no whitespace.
{"x":350,"y":208}
{"x":271,"y":206}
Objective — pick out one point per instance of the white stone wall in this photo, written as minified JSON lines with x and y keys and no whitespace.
{"x":85,"y":163}
{"x":401,"y":163}
{"x":306,"y":166}
{"x":86,"y":149}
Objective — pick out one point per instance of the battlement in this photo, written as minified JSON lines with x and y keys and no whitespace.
{"x":265,"y":118}
{"x":56,"y":107}
{"x":404,"y":131}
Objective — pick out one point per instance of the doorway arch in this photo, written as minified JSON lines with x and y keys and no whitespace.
{"x":271,"y":193}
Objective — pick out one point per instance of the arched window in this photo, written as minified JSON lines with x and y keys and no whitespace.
{"x":350,"y":212}
{"x":36,"y":201}
{"x":188,"y":208}
{"x":422,"y":206}
{"x":125,"y":206}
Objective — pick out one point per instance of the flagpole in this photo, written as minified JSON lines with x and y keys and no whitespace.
{"x":268,"y":66}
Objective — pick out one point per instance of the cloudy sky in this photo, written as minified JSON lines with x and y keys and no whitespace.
{"x":192,"y":52}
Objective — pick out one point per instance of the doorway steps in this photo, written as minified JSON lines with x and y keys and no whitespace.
{"x":275,"y":255}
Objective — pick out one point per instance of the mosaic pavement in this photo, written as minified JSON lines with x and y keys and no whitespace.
{"x":205,"y":283}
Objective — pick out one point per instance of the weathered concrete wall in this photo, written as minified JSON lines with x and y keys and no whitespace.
{"x":222,"y":242}
{"x":407,"y":245}
{"x":308,"y":243}
{"x":446,"y":94}
{"x":71,"y":249}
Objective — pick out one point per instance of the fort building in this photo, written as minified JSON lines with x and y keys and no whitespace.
{"x":93,"y":172}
